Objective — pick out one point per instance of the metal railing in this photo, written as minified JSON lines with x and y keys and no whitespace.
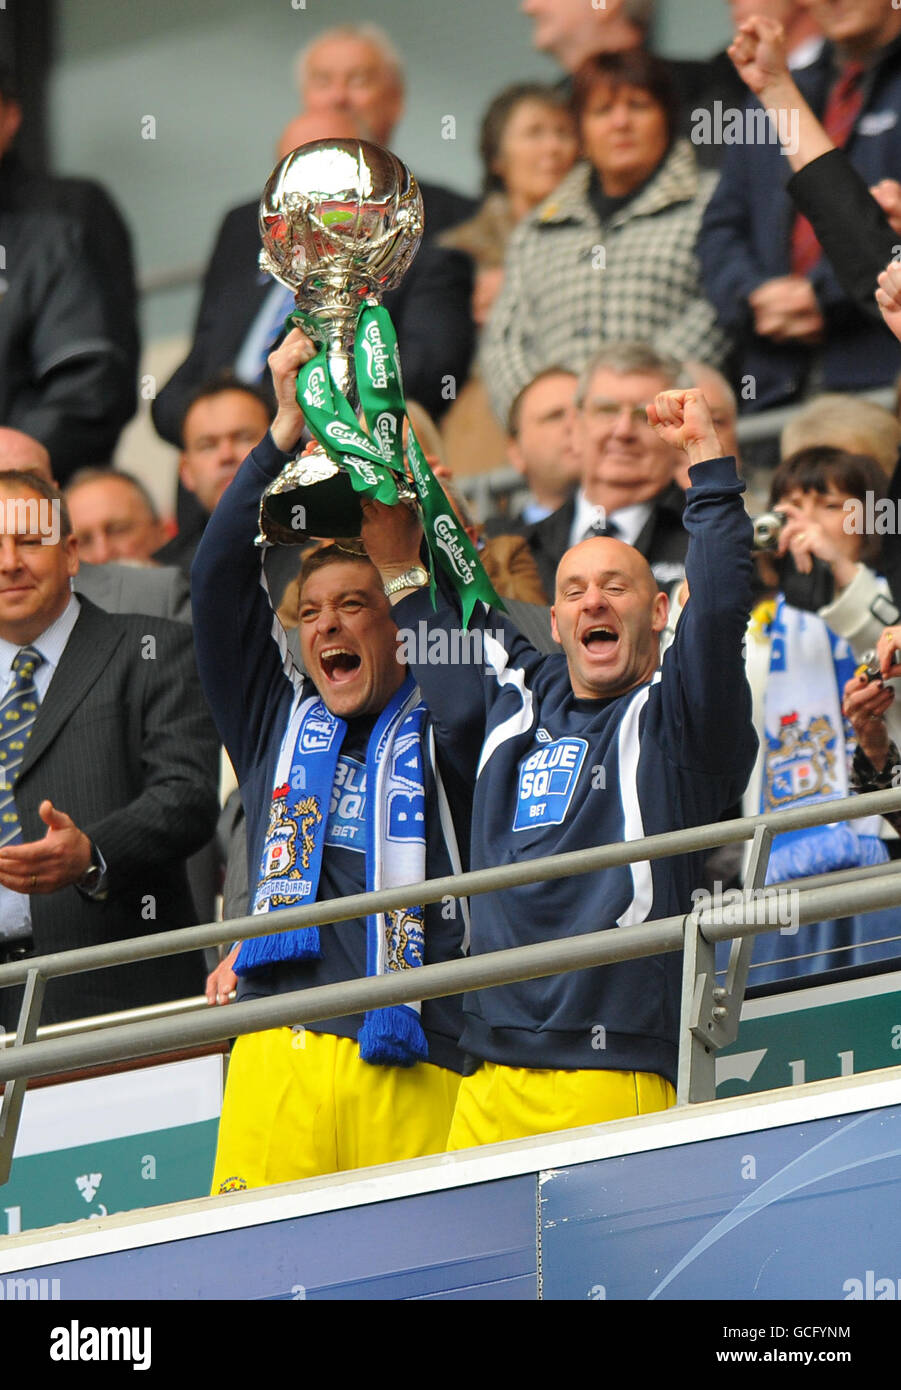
{"x":709,"y":1012}
{"x":94,"y":1021}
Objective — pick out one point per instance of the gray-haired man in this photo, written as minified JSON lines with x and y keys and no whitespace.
{"x":627,"y":489}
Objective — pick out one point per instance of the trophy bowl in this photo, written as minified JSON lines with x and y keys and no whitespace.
{"x":340,"y":223}
{"x":339,"y":217}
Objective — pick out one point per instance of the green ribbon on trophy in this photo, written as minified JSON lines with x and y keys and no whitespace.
{"x":372,"y":461}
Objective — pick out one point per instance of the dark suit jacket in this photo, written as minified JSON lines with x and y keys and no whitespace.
{"x":123,"y":743}
{"x":107,"y":241}
{"x":161,"y":591}
{"x":663,"y":539}
{"x":745,"y":240}
{"x":534,"y":622}
{"x":430,"y":311}
{"x":69,"y":374}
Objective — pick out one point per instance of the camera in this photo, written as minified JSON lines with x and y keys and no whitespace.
{"x":869,"y":669}
{"x":767,"y":530}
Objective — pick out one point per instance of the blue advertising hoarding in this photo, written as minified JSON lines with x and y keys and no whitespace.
{"x":797,"y":1212}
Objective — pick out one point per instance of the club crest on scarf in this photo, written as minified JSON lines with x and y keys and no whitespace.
{"x":800,"y":761}
{"x":404,"y":938}
{"x":289,"y":835}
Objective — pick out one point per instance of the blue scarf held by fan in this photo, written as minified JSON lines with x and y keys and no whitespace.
{"x":291,"y":862}
{"x":806,"y":748}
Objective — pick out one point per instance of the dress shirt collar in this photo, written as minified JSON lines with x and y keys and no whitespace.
{"x":51,"y":643}
{"x":630,"y":520}
{"x":534,"y":511}
{"x":805,"y":53}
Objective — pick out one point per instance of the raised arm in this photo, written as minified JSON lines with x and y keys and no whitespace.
{"x":703,"y":718}
{"x":758,"y":53}
{"x":849,"y":221}
{"x":241,"y":651}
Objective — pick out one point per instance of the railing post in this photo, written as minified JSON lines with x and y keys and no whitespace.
{"x":730,"y":996}
{"x":711,"y":1013}
{"x":14,"y":1095}
{"x":696,"y":1078}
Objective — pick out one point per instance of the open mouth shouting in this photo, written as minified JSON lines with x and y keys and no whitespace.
{"x":339,"y":664}
{"x":600,"y":640}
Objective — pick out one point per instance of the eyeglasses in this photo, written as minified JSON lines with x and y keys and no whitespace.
{"x":611,"y":410}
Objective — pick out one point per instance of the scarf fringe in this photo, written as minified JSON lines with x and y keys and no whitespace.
{"x":393,"y":1037}
{"x":260,"y":951}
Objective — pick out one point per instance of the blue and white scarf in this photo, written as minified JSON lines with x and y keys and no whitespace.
{"x":395,"y":854}
{"x":806,"y":756}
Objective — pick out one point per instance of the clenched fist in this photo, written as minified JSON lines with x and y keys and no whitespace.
{"x":683,"y":419}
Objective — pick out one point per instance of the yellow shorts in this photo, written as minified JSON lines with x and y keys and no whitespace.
{"x":298,"y":1105}
{"x":513,"y":1102}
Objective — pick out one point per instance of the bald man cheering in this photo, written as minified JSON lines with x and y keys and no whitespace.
{"x":596,"y":746}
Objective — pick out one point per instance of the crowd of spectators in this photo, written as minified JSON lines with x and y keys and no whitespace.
{"x":652,"y":260}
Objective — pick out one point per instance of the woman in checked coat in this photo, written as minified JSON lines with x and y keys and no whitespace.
{"x":609,"y":256}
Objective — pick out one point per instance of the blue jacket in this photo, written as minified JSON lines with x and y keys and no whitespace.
{"x":556,"y":774}
{"x":745,"y":239}
{"x":252,"y":685}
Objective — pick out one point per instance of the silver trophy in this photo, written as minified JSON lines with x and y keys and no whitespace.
{"x":340,"y":221}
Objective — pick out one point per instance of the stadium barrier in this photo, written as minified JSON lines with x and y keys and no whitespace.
{"x":710,"y":1012}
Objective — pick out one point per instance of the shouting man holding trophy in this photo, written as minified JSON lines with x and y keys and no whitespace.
{"x":343,"y":787}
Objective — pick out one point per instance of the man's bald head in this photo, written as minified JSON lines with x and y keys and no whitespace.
{"x":21,"y":453}
{"x":616,"y":554}
{"x":316,"y":125}
{"x":608,"y":614}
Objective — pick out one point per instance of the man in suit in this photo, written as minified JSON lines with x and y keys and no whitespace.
{"x":355,"y":71}
{"x":719,"y":84}
{"x":351,"y":83}
{"x":109,"y":760}
{"x":113,"y":516}
{"x":857,"y":227}
{"x":540,"y":448}
{"x":159,"y":590}
{"x":223,"y":421}
{"x":627,"y":489}
{"x":797,"y":330}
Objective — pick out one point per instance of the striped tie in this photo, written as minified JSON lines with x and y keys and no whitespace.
{"x":18,"y":711}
